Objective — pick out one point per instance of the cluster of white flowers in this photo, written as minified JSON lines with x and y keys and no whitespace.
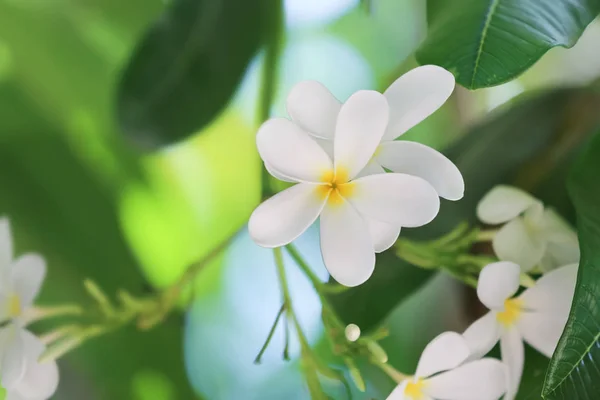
{"x":22,"y":376}
{"x":336,"y":154}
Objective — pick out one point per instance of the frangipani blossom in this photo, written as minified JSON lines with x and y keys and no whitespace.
{"x":533,"y":235}
{"x":537,"y":316}
{"x":20,"y":281}
{"x":358,"y":215}
{"x":411,"y":98}
{"x":442,"y":374}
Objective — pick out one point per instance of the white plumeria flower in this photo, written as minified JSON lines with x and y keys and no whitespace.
{"x":411,"y":98}
{"x":358,"y":216}
{"x":537,"y":316}
{"x":20,"y":281}
{"x":533,"y":235}
{"x":443,"y":374}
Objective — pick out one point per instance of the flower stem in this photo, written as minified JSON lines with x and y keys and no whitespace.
{"x":390,"y":371}
{"x":270,"y":335}
{"x":486,"y":236}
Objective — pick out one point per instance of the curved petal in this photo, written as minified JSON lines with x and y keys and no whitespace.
{"x":498,"y":282}
{"x":562,"y":244}
{"x":542,"y":330}
{"x":482,"y":335}
{"x":446,"y":351}
{"x":312,"y":106}
{"x":383,"y":235}
{"x":515,"y":242}
{"x":41,"y":379}
{"x":326,"y":145}
{"x":291,"y":151}
{"x":14,"y":357}
{"x":6,"y":248}
{"x":513,"y":355}
{"x":285,"y":216}
{"x":397,"y":199}
{"x":415,"y":96}
{"x":278,"y":175}
{"x":28,"y":275}
{"x":553,"y":292}
{"x":398,"y":392}
{"x":477,"y":380}
{"x":372,"y":168}
{"x":503,"y":203}
{"x":419,"y":160}
{"x":12,"y":395}
{"x":346,"y":245}
{"x":360,"y":126}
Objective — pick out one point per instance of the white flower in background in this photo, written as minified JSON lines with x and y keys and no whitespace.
{"x":533,"y":236}
{"x":358,"y":215}
{"x":411,"y":98}
{"x":537,"y":316}
{"x":20,"y":281}
{"x":443,"y":374}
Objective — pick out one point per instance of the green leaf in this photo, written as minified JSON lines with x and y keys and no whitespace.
{"x":529,"y":144}
{"x":488,"y":42}
{"x":189,"y":64}
{"x":574,"y":371}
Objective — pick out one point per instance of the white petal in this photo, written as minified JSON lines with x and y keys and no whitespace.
{"x":6,"y":250}
{"x":542,"y":330}
{"x":398,"y":392}
{"x":419,"y":160}
{"x":360,"y":126}
{"x":517,"y":243}
{"x":553,"y":292}
{"x":415,"y":96}
{"x":477,"y":380}
{"x":40,"y":380}
{"x":513,"y":355}
{"x":291,"y":151}
{"x":277,"y":174}
{"x":13,"y":357}
{"x":28,"y":275}
{"x":12,"y":395}
{"x":447,"y":351}
{"x":372,"y":168}
{"x":498,"y":282}
{"x":326,"y":145}
{"x":313,"y":108}
{"x":285,"y":216}
{"x":346,"y":245}
{"x":398,"y":199}
{"x":482,"y":335}
{"x":503,"y":203}
{"x":383,"y":235}
{"x":562,"y":244}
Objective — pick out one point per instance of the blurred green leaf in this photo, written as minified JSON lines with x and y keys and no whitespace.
{"x":189,"y":64}
{"x":574,"y":371}
{"x":488,"y":42}
{"x":528,"y":144}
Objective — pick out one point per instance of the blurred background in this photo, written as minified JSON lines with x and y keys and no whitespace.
{"x":95,"y":206}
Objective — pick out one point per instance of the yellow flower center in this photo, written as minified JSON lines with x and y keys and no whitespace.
{"x":511,"y":313}
{"x":414,"y":389}
{"x":335,"y":185}
{"x":14,"y":306}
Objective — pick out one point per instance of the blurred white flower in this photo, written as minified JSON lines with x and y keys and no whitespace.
{"x":532,"y":236}
{"x":537,"y":316}
{"x":359,"y":216}
{"x":443,"y":374}
{"x":20,"y":281}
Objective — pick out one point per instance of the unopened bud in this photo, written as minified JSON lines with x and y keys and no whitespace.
{"x":352,"y":332}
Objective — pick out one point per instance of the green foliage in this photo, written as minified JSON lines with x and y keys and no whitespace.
{"x":528,"y":144}
{"x":488,"y":42}
{"x":574,"y":372}
{"x":188,"y":66}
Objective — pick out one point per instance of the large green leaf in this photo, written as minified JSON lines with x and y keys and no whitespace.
{"x":189,"y":64}
{"x":528,"y":144}
{"x":574,"y":371}
{"x":488,"y":42}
